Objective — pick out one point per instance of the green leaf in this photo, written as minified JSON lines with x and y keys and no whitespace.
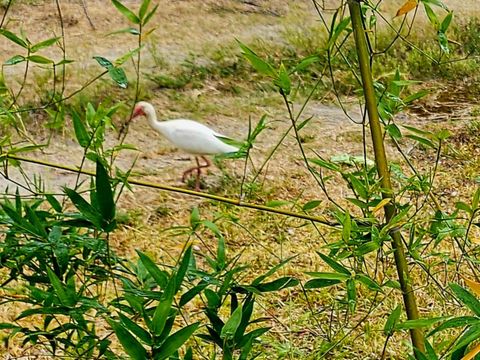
{"x":335,"y":265}
{"x":460,"y":205}
{"x":80,"y":131}
{"x":258,"y":64}
{"x":277,"y":203}
{"x":125,"y":57}
{"x":104,"y":194}
{"x":15,"y":60}
{"x":432,"y":17}
{"x":140,"y":332}
{"x":129,"y":30}
{"x":35,"y":221}
{"x":53,"y":202}
{"x":347,"y":227}
{"x":461,"y":321}
{"x":419,"y":323}
{"x":306,"y":62}
{"x":328,"y":275}
{"x":367,"y":281}
{"x":467,"y":298}
{"x":162,"y":311}
{"x":174,"y":341}
{"x":325,"y":164}
{"x":443,"y":41}
{"x":149,"y":15}
{"x":338,"y":30}
{"x":143,"y":8}
{"x":43,"y":44}
{"x":320,"y":283}
{"x":118,"y":75}
{"x":476,"y":199}
{"x":39,"y":59}
{"x":422,"y":140}
{"x":12,"y":37}
{"x":182,"y":268}
{"x":126,"y":12}
{"x":230,"y":327}
{"x":283,"y":80}
{"x":60,"y":291}
{"x":131,"y":345}
{"x":351,"y":294}
{"x":87,"y":210}
{"x":415,"y":96}
{"x":446,"y":22}
{"x":190,"y":294}
{"x":394,"y":131}
{"x":366,"y":248}
{"x":272,"y":270}
{"x":195,"y":218}
{"x":278,"y":284}
{"x":160,"y":277}
{"x":311,"y":205}
{"x":107,"y":64}
{"x":392,"y":321}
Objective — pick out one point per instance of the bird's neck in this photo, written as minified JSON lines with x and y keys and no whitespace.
{"x":155,"y":124}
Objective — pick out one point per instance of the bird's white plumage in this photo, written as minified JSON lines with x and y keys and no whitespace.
{"x":187,"y":135}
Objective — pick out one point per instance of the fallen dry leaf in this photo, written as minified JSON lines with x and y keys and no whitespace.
{"x":407,"y":7}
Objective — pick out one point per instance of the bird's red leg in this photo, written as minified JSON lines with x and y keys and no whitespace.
{"x":199,"y":171}
{"x":207,"y":162}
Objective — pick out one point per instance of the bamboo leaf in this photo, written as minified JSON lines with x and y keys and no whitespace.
{"x":126,"y":12}
{"x":338,"y":30}
{"x":104,"y":194}
{"x":60,"y":291}
{"x":15,"y":60}
{"x":131,"y":345}
{"x":258,"y":64}
{"x":118,"y":75}
{"x":230,"y":327}
{"x":38,"y":59}
{"x":12,"y":37}
{"x":160,"y":277}
{"x":466,"y":298}
{"x":87,"y":210}
{"x":392,"y":321}
{"x":419,"y":323}
{"x":150,"y":15}
{"x":320,"y":283}
{"x":43,"y":44}
{"x":311,"y":205}
{"x":335,"y":265}
{"x":140,"y":332}
{"x":278,"y":284}
{"x":80,"y":131}
{"x":175,"y":341}
{"x":143,"y":8}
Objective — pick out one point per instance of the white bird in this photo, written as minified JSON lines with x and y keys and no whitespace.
{"x":188,"y":136}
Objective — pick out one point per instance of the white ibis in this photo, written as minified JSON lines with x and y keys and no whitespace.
{"x":187,"y":135}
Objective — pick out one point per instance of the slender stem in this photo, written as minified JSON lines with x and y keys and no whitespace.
{"x":382,"y":168}
{"x":235,"y":202}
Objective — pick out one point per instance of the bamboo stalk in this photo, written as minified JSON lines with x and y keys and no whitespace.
{"x":235,"y":202}
{"x":409,"y":299}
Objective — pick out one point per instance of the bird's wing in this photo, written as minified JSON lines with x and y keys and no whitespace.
{"x":196,"y":138}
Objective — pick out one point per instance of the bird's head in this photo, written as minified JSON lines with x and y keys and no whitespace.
{"x":142,"y":108}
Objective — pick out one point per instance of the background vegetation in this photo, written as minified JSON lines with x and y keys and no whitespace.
{"x":286,"y":252}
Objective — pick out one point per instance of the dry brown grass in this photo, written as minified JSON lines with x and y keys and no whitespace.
{"x":192,"y":26}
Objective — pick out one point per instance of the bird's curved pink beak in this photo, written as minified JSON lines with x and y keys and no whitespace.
{"x":137,"y":112}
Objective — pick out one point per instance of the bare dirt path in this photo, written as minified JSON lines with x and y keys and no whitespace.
{"x":182,"y":27}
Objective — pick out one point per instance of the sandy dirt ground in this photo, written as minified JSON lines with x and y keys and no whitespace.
{"x":182,"y":27}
